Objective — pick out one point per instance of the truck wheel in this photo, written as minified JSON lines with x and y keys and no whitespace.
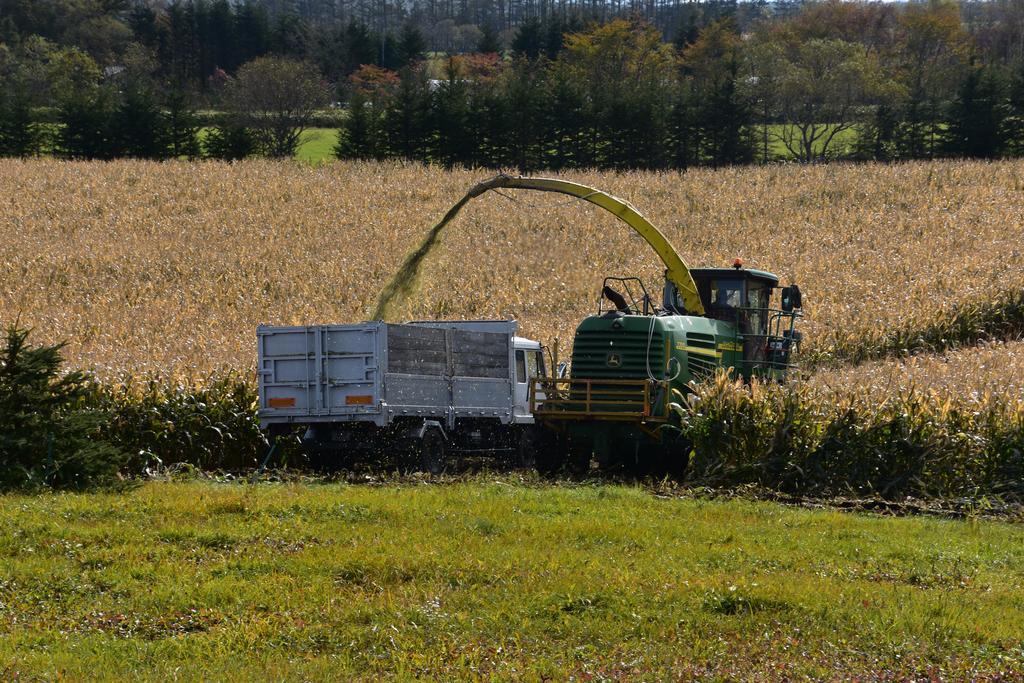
{"x":530,"y":443}
{"x":433,"y":452}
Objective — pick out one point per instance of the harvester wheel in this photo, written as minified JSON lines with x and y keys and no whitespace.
{"x":551,"y":454}
{"x":405,"y":455}
{"x":433,"y":452}
{"x":676,"y":458}
{"x":578,"y":462}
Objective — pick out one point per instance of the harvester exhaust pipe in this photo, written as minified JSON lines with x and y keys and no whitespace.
{"x":616,"y":298}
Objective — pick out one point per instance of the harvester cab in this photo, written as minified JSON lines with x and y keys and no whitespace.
{"x":743,"y":298}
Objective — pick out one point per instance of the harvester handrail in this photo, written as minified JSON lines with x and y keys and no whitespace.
{"x":566,"y":403}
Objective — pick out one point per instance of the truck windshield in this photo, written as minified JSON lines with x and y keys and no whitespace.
{"x":534,"y":364}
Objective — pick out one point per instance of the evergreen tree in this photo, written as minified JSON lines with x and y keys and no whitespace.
{"x":388,"y":52}
{"x":137,"y":127}
{"x":683,"y":133}
{"x":252,"y":27}
{"x":361,"y":46}
{"x":918,"y":130}
{"x":1015,"y":113}
{"x":557,"y":28}
{"x":977,"y":117}
{"x":229,"y":142}
{"x":489,"y":42}
{"x":529,"y":39}
{"x":19,"y":135}
{"x":450,"y":113}
{"x":181,"y":48}
{"x":406,"y":117}
{"x":220,"y":39}
{"x":358,"y":137}
{"x":726,"y":121}
{"x":289,"y":36}
{"x":47,"y":437}
{"x":566,"y":119}
{"x":181,"y":127}
{"x":876,"y":141}
{"x":411,"y":44}
{"x":142,"y":19}
{"x":527,"y":138}
{"x":85,"y":126}
{"x":687,"y":31}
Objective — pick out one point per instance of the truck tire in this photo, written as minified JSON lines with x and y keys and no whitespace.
{"x":433,"y":452}
{"x":531,"y":441}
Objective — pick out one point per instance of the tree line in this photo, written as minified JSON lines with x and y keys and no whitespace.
{"x":618,"y":96}
{"x":815,"y":82}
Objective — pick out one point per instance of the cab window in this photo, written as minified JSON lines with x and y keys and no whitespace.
{"x":757,"y":296}
{"x":757,"y":302}
{"x":521,"y":367}
{"x":727,"y":293}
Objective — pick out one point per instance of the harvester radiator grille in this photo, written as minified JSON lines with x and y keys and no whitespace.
{"x":700,"y":368}
{"x":699,"y":365}
{"x":617,"y":354}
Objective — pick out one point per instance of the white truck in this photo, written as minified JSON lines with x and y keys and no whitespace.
{"x":424,"y":391}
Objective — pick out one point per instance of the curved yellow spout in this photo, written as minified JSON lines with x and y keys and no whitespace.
{"x":676,"y":270}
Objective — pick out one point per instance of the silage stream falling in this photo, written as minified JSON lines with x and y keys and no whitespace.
{"x":403,"y":283}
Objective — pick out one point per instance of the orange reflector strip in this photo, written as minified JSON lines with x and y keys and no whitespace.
{"x":358,"y":400}
{"x":281,"y":402}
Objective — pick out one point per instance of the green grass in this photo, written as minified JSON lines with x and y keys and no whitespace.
{"x":317,"y":145}
{"x":840,"y":146}
{"x":493,"y":580}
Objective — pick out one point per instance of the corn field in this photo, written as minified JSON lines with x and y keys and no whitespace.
{"x":157,"y":275}
{"x":168,"y":268}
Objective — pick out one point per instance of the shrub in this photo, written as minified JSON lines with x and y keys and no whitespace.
{"x":229,"y":142}
{"x":48,"y":432}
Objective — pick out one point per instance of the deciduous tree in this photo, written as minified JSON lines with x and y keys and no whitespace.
{"x":276,"y":98}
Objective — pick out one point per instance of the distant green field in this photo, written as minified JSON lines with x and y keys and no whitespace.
{"x":841,"y":145}
{"x":495,"y":580}
{"x":318,"y":145}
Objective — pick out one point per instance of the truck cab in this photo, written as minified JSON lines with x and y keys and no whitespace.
{"x":529,"y":365}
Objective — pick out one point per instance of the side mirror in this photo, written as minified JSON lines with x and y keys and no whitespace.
{"x":791,"y":298}
{"x":562,"y":370}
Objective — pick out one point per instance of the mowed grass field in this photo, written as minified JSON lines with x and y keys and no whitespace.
{"x":318,"y":144}
{"x":496,"y":580}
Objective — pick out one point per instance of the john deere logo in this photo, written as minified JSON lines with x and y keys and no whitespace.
{"x":614,"y":360}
